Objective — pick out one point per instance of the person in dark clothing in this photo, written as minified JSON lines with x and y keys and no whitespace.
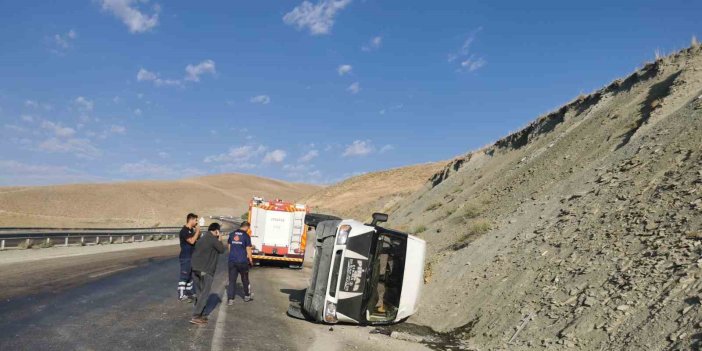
{"x":205,"y":255}
{"x":240,"y":260}
{"x":188,"y":236}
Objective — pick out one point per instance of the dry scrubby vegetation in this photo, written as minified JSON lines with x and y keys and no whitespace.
{"x":31,"y":243}
{"x":27,"y":244}
{"x":433,"y":206}
{"x":473,"y":229}
{"x":419,"y":229}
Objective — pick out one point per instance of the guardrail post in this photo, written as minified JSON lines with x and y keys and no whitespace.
{"x":142,"y":238}
{"x":133,"y":239}
{"x":48,"y":241}
{"x":2,"y":245}
{"x":82,"y":240}
{"x":65,"y":242}
{"x":97,"y":240}
{"x":110,"y":239}
{"x":122,"y":239}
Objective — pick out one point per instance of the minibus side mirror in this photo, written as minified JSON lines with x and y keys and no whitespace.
{"x":379,"y":218}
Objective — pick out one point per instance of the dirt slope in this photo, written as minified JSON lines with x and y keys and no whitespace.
{"x":584,"y":228}
{"x":358,"y":197}
{"x":138,"y":204}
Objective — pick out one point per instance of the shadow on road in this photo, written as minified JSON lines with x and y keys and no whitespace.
{"x":212,"y":302}
{"x":294,"y":295}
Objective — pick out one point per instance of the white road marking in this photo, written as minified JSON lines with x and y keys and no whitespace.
{"x":218,"y":334}
{"x":95,"y":275}
{"x":216,"y":344}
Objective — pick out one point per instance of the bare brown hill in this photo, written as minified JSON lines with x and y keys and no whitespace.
{"x":581,"y":231}
{"x":139,"y":204}
{"x":358,"y":197}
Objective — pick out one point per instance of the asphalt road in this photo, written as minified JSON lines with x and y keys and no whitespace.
{"x":126,"y":300}
{"x":133,"y":305}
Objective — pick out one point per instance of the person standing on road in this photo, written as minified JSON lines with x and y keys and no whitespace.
{"x":188,"y":236}
{"x":240,"y":260}
{"x":205,"y":256}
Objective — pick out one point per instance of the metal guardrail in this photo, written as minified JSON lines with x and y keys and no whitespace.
{"x":16,"y":236}
{"x":235,"y":221}
{"x":82,"y":236}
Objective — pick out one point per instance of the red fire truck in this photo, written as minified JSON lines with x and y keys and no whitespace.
{"x":278,"y":231}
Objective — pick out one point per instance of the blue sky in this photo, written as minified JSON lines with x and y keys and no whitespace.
{"x":104,"y":90}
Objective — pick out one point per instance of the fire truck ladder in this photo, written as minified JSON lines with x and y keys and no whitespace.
{"x":298,"y":230}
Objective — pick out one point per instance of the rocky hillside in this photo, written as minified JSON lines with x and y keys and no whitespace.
{"x":138,"y":204}
{"x":358,"y":197}
{"x":581,"y":231}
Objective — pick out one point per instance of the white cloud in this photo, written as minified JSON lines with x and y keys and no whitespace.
{"x":359,"y":148}
{"x":21,"y":141}
{"x":391,"y":108}
{"x":386,"y":148}
{"x":116,"y":129}
{"x":354,"y":88}
{"x":18,"y":173}
{"x":163,"y":154}
{"x":36,"y":104}
{"x":294,"y":168}
{"x":235,"y":167}
{"x":315,"y":174}
{"x":275,"y":156}
{"x":15,"y":128}
{"x":344,"y":69}
{"x":84,"y":104}
{"x":373,"y":44}
{"x":317,"y":18}
{"x":128,"y":11}
{"x":302,"y":172}
{"x":137,"y":112}
{"x":468,"y":61}
{"x":58,"y":129}
{"x":27,"y":118}
{"x":261,"y":99}
{"x":147,"y":76}
{"x":148,"y":169}
{"x":309,"y":156}
{"x":63,"y":41}
{"x":237,"y":155}
{"x":193,"y":72}
{"x":79,"y":147}
{"x":144,"y":75}
{"x":472,"y":63}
